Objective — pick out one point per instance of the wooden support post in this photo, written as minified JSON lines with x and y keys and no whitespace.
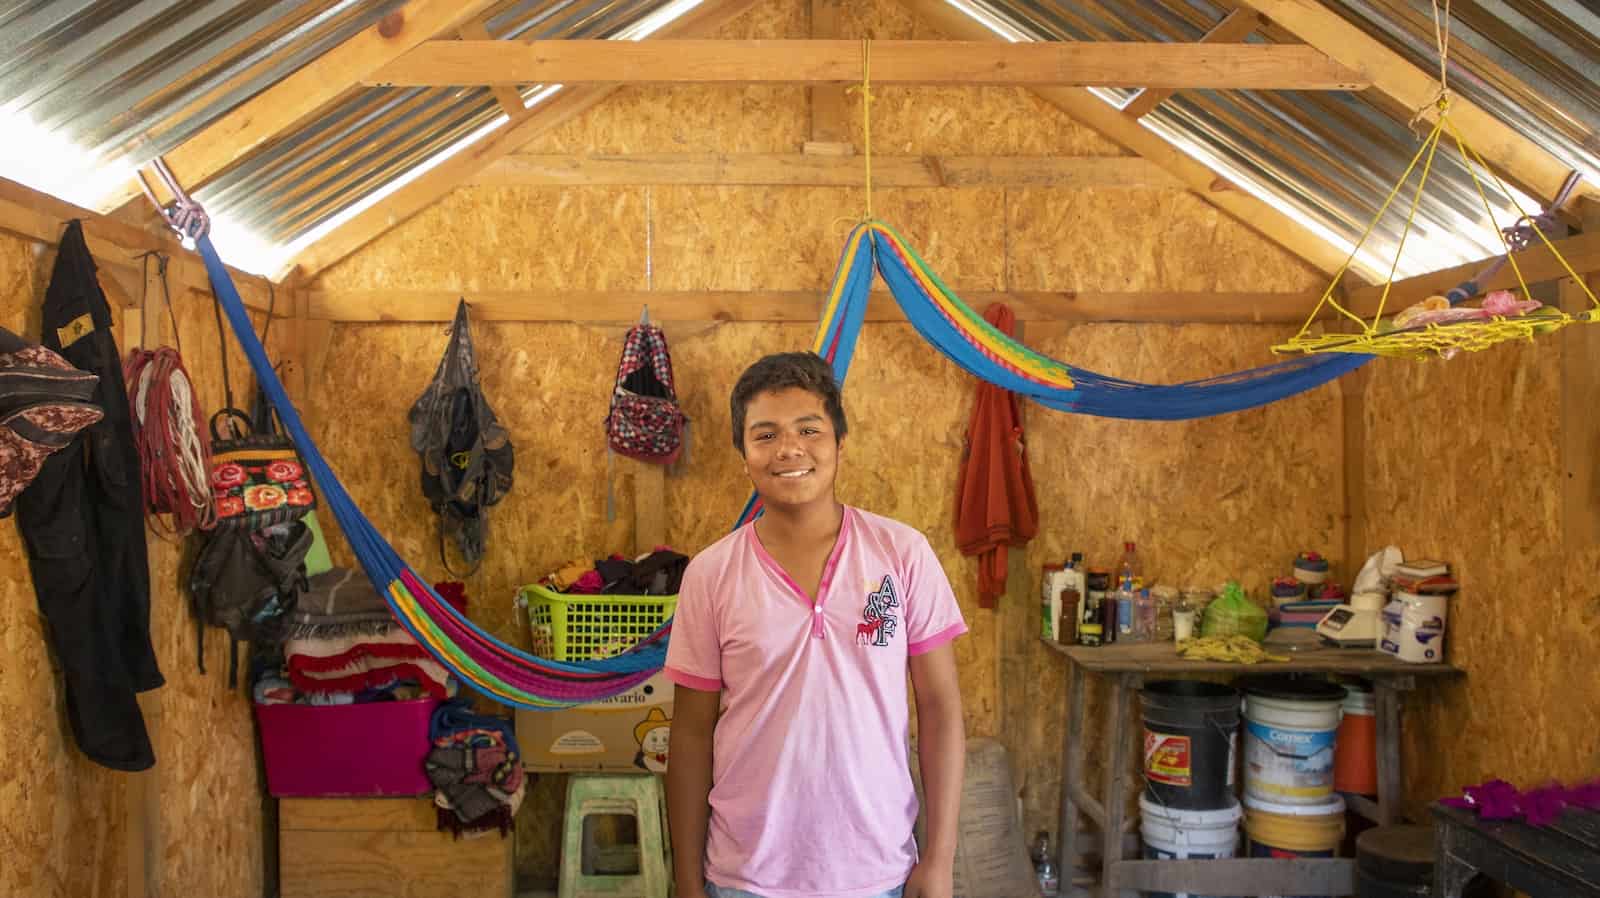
{"x":1580,"y":427}
{"x":649,"y":506}
{"x":1072,"y":748}
{"x":145,"y":325}
{"x":1353,"y":412}
{"x":1115,"y":798}
{"x":827,"y":100}
{"x":1387,"y":693}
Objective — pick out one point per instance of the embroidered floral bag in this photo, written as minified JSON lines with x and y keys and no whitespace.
{"x":257,"y":478}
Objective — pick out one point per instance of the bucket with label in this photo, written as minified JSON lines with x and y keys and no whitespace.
{"x":1291,"y":726}
{"x":1190,"y":733}
{"x":1355,"y":756}
{"x":1277,"y":830}
{"x":1177,"y":834}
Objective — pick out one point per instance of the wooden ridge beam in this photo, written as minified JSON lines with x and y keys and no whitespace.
{"x":423,"y":192}
{"x":1053,"y":63}
{"x":622,"y":306}
{"x":297,"y":97}
{"x":1538,"y":264}
{"x":803,"y":170}
{"x":114,"y":244}
{"x":1234,"y":28}
{"x":1517,"y":157}
{"x":1090,"y":111}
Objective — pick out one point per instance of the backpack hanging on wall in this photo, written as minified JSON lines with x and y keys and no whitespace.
{"x":644,"y":422}
{"x":467,"y":457}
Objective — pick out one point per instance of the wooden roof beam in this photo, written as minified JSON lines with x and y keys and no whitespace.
{"x":115,"y":244}
{"x":1234,"y":28}
{"x":426,"y":190}
{"x":1053,"y":63}
{"x":622,"y":306}
{"x":297,"y":97}
{"x":507,"y":95}
{"x":1515,"y":156}
{"x":1537,"y":263}
{"x":1091,"y":111}
{"x":815,"y":170}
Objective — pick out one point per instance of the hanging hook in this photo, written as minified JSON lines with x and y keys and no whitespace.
{"x":644,"y":315}
{"x":183,"y":214}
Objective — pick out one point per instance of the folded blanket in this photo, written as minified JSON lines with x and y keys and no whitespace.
{"x":373,"y":673}
{"x":340,"y":602}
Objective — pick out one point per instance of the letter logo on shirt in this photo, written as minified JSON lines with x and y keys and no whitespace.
{"x":878,"y":618}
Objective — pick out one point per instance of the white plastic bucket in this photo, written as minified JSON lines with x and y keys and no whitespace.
{"x":1290,"y":734}
{"x":1175,"y":833}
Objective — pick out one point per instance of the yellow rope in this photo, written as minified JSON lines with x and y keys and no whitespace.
{"x":1447,"y":338}
{"x":1327,"y":295}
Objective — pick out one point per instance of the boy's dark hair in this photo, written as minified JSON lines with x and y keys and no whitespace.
{"x":805,"y":370}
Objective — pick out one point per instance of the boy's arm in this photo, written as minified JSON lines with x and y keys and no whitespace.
{"x":694,"y":718}
{"x":942,"y":753}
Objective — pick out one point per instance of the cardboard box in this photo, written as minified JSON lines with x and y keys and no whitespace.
{"x":627,"y":733}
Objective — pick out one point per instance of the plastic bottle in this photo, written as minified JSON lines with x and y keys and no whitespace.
{"x":1129,"y":568}
{"x":1127,"y":624}
{"x":1041,"y":849}
{"x":1145,"y":617}
{"x":1049,"y":879}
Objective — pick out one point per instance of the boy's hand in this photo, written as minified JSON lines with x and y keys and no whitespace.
{"x":930,"y":880}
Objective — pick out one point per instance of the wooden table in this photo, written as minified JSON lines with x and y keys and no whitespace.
{"x":1125,"y":668}
{"x":1561,"y":860}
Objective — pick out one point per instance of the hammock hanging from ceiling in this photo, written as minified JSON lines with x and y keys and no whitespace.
{"x":510,"y":675}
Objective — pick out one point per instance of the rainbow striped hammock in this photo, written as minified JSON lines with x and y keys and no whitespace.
{"x":514,"y":677}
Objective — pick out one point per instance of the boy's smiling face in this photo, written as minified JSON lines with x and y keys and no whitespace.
{"x":791,"y":451}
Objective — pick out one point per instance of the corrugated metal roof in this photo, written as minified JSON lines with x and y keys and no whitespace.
{"x":1332,"y":157}
{"x":129,"y":80}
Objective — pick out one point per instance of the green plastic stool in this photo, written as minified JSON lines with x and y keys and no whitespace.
{"x":637,"y":795}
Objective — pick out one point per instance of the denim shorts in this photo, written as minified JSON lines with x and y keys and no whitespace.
{"x":715,"y":891}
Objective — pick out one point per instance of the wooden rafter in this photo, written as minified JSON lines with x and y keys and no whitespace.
{"x":115,"y":245}
{"x":1091,"y":111}
{"x":1235,"y":27}
{"x":399,"y":206}
{"x":1054,"y":63}
{"x":622,"y":306}
{"x":1517,"y":157}
{"x":810,"y":170}
{"x":295,"y":98}
{"x":506,"y":94}
{"x":1537,"y":263}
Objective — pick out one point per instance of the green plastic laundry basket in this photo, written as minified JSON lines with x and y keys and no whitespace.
{"x":573,"y":627}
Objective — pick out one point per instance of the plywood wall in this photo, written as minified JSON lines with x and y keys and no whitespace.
{"x":1233,"y":496}
{"x":70,"y":828}
{"x":1464,"y":464}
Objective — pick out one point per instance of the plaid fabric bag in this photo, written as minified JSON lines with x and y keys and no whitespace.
{"x":645,"y":421}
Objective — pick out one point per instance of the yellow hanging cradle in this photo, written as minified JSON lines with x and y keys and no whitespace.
{"x":1441,"y":326}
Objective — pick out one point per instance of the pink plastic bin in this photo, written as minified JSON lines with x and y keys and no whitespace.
{"x":313,"y":751}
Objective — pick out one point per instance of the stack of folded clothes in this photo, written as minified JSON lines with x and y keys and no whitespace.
{"x":476,"y":771}
{"x":657,"y":573}
{"x":344,"y":646}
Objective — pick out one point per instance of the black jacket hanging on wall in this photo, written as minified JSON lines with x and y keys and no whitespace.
{"x":82,"y":519}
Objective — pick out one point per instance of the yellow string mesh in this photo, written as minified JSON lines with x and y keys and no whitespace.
{"x":1379,"y":336}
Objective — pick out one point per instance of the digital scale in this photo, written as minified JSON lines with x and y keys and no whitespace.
{"x":1356,"y":624}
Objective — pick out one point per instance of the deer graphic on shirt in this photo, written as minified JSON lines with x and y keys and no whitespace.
{"x":879,"y":617}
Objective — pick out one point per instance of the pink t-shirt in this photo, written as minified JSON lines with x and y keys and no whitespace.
{"x":811,"y":792}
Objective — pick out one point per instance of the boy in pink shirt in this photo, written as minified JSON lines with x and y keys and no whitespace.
{"x":790,"y":649}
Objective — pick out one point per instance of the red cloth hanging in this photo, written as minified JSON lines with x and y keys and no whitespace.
{"x":995,"y":504}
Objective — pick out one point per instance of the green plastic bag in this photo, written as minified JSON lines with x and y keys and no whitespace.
{"x":1234,"y":614}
